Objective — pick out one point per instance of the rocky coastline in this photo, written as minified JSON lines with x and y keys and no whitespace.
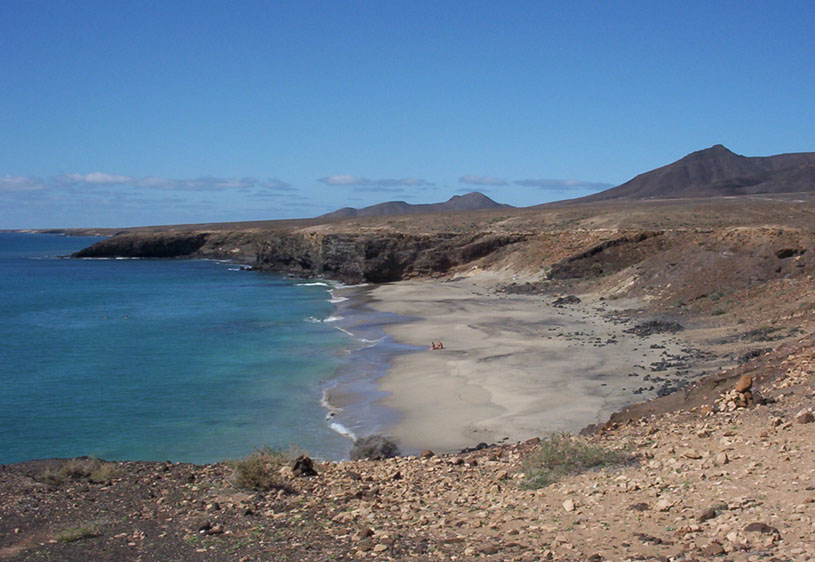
{"x":712,"y":472}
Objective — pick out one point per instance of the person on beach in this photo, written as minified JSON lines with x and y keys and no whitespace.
{"x":434,"y":345}
{"x":440,"y":346}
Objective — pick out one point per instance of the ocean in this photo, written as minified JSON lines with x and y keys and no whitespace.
{"x":182,"y":360}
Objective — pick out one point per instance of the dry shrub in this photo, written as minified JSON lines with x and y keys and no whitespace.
{"x":260,"y":471}
{"x":374,"y":447}
{"x":562,"y":454}
{"x":92,"y":470}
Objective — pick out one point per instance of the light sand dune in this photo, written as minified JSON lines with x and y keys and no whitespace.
{"x":513,"y":366}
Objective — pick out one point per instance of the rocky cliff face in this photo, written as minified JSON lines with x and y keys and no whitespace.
{"x":158,"y":245}
{"x":376,"y":259}
{"x":355,"y":258}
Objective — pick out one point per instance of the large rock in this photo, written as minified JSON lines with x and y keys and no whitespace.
{"x":745,"y":383}
{"x":303,"y":466}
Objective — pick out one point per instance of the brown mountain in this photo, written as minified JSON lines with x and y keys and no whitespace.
{"x":470,"y":202}
{"x":716,"y":171}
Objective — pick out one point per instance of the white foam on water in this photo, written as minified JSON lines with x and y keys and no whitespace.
{"x":342,"y":430}
{"x":313,"y":284}
{"x":331,"y":319}
{"x":335,"y":300}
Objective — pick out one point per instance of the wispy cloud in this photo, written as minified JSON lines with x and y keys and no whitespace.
{"x":481,"y":180}
{"x":21,"y":183}
{"x":561,"y":184}
{"x":96,"y":180}
{"x":379,"y":189}
{"x":345,"y":179}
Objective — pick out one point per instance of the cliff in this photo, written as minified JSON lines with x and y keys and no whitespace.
{"x":348,"y":257}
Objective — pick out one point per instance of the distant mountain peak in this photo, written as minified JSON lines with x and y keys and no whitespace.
{"x":473,"y":201}
{"x":718,"y":171}
{"x":715,"y":151}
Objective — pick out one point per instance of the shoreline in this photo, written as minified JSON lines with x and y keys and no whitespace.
{"x":514,"y":367}
{"x":351,"y":397}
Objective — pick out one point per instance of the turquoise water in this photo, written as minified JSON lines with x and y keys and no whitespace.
{"x":192,"y":361}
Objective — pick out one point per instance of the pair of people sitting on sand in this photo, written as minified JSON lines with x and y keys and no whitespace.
{"x":434,"y":345}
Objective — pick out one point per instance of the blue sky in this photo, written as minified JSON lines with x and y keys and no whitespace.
{"x":136,"y":113}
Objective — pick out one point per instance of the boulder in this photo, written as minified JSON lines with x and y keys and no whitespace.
{"x":804,"y":417}
{"x":745,"y":383}
{"x":303,"y":466}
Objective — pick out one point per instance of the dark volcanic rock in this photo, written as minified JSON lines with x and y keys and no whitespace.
{"x":349,"y":257}
{"x":165,"y":245}
{"x":652,"y":327}
{"x":375,"y":258}
{"x":303,"y":466}
{"x":571,"y":299}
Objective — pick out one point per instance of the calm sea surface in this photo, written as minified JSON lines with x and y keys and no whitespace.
{"x":162,"y":360}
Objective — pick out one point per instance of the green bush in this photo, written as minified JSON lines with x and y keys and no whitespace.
{"x":561,"y":455}
{"x":74,"y":534}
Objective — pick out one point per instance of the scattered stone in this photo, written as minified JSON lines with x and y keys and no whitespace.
{"x":362,"y":533}
{"x":426,"y":454}
{"x":721,"y":459}
{"x":653,"y":327}
{"x":804,"y":416}
{"x":639,"y":507}
{"x":568,"y":505}
{"x":663,"y":505}
{"x":762,"y":528}
{"x":706,"y":515}
{"x":715,"y":548}
{"x":570,"y":299}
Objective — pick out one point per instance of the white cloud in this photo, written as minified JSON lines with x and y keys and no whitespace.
{"x":481,"y":180}
{"x":21,"y":183}
{"x":345,"y":179}
{"x":341,"y":179}
{"x":95,"y":180}
{"x":276,"y":184}
{"x":556,"y":184}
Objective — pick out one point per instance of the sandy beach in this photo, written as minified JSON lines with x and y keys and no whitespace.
{"x":513,"y":367}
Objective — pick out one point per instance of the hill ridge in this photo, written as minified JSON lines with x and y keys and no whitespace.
{"x":473,"y":201}
{"x":717,"y":171}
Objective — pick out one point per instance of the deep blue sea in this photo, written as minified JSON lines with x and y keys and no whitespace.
{"x":179,"y":360}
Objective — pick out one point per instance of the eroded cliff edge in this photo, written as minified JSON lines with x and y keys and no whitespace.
{"x":347,"y":257}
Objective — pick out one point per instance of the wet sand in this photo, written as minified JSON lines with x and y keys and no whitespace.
{"x":513,"y":367}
